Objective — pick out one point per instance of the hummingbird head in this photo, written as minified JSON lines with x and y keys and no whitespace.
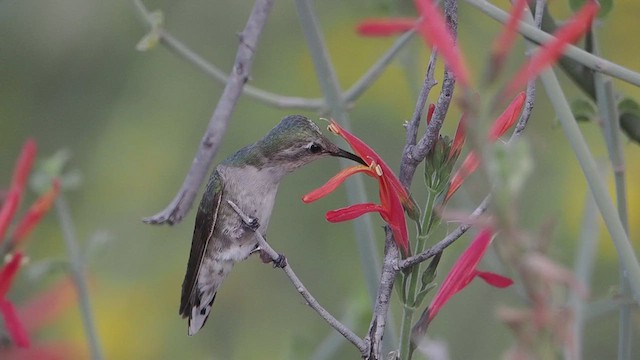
{"x":297,"y":141}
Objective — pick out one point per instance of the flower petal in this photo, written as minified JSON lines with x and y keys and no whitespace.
{"x":36,"y":212}
{"x":507,"y":118}
{"x":549,"y":53}
{"x":394,"y":216}
{"x":458,"y":140}
{"x":351,"y":212}
{"x":462,"y":272}
{"x":385,"y":26}
{"x":8,"y":272}
{"x":18,"y":181}
{"x":24,"y":164}
{"x":370,"y":157}
{"x":435,"y":32}
{"x":430,"y":110}
{"x":8,"y":210}
{"x":13,"y":325}
{"x":334,"y":182}
{"x":469,"y":165}
{"x":494,"y":279}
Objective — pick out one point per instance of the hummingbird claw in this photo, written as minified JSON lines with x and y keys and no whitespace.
{"x":252,"y":223}
{"x":280,"y":262}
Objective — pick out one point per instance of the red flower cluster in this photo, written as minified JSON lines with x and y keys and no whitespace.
{"x":8,"y":272}
{"x":393,"y":195}
{"x":434,"y":31}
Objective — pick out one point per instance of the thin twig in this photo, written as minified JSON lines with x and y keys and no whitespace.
{"x":179,"y":48}
{"x":406,"y":170}
{"x":374,"y":72}
{"x":267,"y":97}
{"x":217,"y":127}
{"x":311,"y":301}
{"x":77,"y":270}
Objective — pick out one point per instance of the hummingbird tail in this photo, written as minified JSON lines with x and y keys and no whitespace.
{"x":200,"y":313}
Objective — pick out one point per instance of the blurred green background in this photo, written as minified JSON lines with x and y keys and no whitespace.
{"x":71,"y":78}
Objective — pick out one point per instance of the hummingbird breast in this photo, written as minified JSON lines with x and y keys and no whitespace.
{"x":254,"y":191}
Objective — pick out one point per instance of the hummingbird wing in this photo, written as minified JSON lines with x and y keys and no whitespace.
{"x":202,"y":235}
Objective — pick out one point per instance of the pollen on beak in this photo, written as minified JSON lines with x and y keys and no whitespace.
{"x":347,"y":155}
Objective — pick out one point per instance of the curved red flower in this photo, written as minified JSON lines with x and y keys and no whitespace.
{"x":393,"y":195}
{"x":549,"y":53}
{"x":464,"y":271}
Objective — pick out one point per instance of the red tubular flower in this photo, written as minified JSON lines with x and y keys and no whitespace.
{"x":430,"y":110}
{"x":469,"y":165}
{"x":500,"y":126}
{"x":12,"y":322}
{"x":433,"y":28}
{"x":549,"y":53}
{"x":464,"y":271}
{"x":508,"y":117}
{"x":393,"y":194}
{"x":36,"y":212}
{"x":13,"y":325}
{"x":458,"y":139}
{"x":8,"y":272}
{"x":20,"y":175}
{"x":385,"y":26}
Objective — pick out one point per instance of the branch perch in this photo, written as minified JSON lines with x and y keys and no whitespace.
{"x":311,"y":301}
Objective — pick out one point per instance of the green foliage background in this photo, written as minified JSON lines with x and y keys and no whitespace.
{"x":71,"y":78}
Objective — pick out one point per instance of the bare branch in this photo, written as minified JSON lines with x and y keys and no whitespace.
{"x":388,"y":277}
{"x":409,"y":164}
{"x":418,"y":152}
{"x":267,"y":97}
{"x":217,"y":127}
{"x":311,"y":301}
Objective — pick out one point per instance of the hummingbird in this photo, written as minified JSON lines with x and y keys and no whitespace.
{"x":249,"y":179}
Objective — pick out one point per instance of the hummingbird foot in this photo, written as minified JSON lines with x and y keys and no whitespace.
{"x":280,"y":262}
{"x":250,"y":222}
{"x":265,"y":257}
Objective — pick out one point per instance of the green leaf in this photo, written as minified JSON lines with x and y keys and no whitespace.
{"x":605,"y":6}
{"x":583,"y":110}
{"x":629,"y":106}
{"x":52,"y":167}
{"x":423,"y":293}
{"x":430,"y":272}
{"x":629,"y":111}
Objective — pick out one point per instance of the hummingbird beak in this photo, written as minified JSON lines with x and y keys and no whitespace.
{"x":347,"y":155}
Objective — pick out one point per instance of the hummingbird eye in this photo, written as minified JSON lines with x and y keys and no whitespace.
{"x":314,"y":148}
